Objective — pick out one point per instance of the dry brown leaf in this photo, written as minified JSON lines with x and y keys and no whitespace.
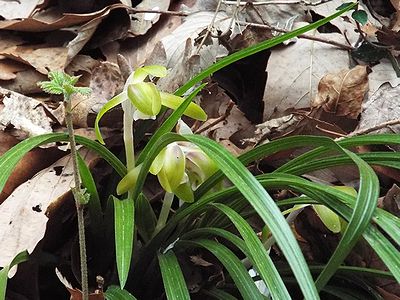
{"x":144,"y":21}
{"x":106,"y":82}
{"x":24,"y":113}
{"x":137,"y":51}
{"x":54,"y":20}
{"x":294,"y":72}
{"x":382,"y":73}
{"x":85,"y":32}
{"x":25,"y":82}
{"x":342,"y":93}
{"x":43,"y":59}
{"x":9,"y":68}
{"x":24,"y":215}
{"x":395,"y":26}
{"x":76,"y":294}
{"x":381,"y":107}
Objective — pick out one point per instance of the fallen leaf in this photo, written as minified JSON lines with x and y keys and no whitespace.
{"x":138,"y":50}
{"x":53,"y":20}
{"x":9,"y":68}
{"x":106,"y":81}
{"x":24,"y":113}
{"x":382,"y":73}
{"x":395,"y":23}
{"x":295,"y":70}
{"x":144,"y":21}
{"x":344,"y":23}
{"x":381,"y":107}
{"x":25,"y":213}
{"x":25,"y":81}
{"x":391,"y":201}
{"x":43,"y":59}
{"x":342,"y":93}
{"x":76,"y":294}
{"x":175,"y":43}
{"x":85,"y":32}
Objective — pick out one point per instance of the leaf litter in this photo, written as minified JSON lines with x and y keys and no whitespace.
{"x":311,"y":87}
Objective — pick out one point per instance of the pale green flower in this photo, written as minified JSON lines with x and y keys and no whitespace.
{"x":146,"y":99}
{"x":180,"y":168}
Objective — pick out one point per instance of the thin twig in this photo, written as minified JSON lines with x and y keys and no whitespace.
{"x":276,"y":2}
{"x":217,"y":120}
{"x":161,"y":12}
{"x":303,"y":36}
{"x":372,"y":129}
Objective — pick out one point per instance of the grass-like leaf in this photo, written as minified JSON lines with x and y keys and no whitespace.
{"x":233,"y":265}
{"x":174,"y":282}
{"x":262,"y":261}
{"x":116,"y":293}
{"x":9,"y":160}
{"x":265,"y":207}
{"x":94,"y":205}
{"x":19,"y":258}
{"x":124,"y":232}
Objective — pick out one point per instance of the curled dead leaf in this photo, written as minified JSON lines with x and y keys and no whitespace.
{"x":342,"y":93}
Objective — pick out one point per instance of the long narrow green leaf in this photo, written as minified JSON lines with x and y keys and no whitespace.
{"x":94,"y":205}
{"x":262,"y":261}
{"x":116,"y":293}
{"x":124,"y":232}
{"x":19,"y":258}
{"x":146,"y":219}
{"x":366,"y":200}
{"x":118,"y":99}
{"x":9,"y":160}
{"x":174,"y":282}
{"x":257,"y":48}
{"x":385,"y":250}
{"x":265,"y":207}
{"x":235,"y":268}
{"x":388,"y":159}
{"x":218,"y":294}
{"x":372,"y":139}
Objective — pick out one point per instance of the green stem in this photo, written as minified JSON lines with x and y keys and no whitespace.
{"x":166,"y":207}
{"x":79,"y":197}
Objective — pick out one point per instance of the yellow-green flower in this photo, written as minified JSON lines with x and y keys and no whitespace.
{"x":146,"y":99}
{"x":180,"y":168}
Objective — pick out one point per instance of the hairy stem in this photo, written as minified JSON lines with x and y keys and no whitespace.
{"x":79,"y":197}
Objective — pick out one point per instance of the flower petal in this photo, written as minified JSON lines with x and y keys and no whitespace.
{"x":193,"y":110}
{"x":145,"y":97}
{"x":128,"y":181}
{"x":173,"y":169}
{"x":184,"y":192}
{"x":158,"y":162}
{"x":140,"y":74}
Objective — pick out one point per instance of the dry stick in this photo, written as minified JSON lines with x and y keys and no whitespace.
{"x":275,"y":2}
{"x":162,"y":12}
{"x":371,"y":129}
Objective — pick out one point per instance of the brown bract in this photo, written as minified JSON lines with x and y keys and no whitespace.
{"x":342,"y":93}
